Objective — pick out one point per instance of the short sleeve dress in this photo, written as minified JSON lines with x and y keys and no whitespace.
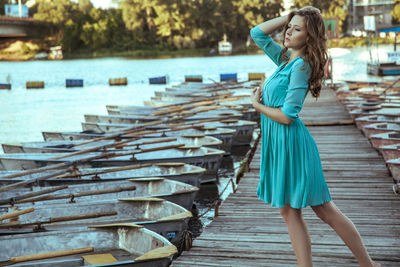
{"x":290,"y":171}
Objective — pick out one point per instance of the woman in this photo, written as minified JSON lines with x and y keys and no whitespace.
{"x":291,"y":176}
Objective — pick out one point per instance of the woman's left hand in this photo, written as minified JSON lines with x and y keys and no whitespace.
{"x":256,"y":96}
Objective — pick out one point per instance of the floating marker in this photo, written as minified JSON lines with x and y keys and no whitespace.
{"x":194,"y":78}
{"x":256,"y":76}
{"x":6,"y":86}
{"x":34,"y":85}
{"x":159,"y":80}
{"x":228,"y":77}
{"x":118,"y":81}
{"x":74,"y":83}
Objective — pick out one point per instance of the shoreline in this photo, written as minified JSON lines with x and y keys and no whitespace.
{"x":28,"y":55}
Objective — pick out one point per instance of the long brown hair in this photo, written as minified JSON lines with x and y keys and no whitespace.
{"x":315,"y":52}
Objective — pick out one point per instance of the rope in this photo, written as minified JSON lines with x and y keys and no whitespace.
{"x":185,"y":242}
{"x":218,"y":200}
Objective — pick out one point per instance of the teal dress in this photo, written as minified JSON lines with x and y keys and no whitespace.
{"x":290,"y":171}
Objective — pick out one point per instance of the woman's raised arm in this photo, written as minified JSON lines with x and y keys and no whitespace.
{"x":271,"y":25}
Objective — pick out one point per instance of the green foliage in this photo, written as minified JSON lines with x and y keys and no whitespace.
{"x":153,"y":24}
{"x":329,"y":9}
{"x":396,"y":11}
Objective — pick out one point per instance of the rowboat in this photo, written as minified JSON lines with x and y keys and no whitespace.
{"x":148,"y":143}
{"x":243,"y":135}
{"x":115,"y":245}
{"x":223,"y":134}
{"x":364,"y":120}
{"x":133,"y":119}
{"x":176,"y":192}
{"x":382,"y":139}
{"x":176,"y":171}
{"x":394,"y":167}
{"x":207,"y":158}
{"x":161,"y":216}
{"x":383,"y":127}
{"x":390,"y":151}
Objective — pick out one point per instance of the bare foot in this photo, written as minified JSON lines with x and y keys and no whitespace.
{"x":375,"y":264}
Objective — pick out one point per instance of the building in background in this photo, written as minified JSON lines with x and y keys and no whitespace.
{"x":380,"y":9}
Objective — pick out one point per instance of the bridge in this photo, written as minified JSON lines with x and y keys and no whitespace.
{"x":14,"y":27}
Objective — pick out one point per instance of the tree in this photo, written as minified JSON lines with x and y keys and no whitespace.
{"x":396,"y":11}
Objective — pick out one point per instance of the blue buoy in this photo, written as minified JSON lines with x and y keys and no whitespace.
{"x":228,"y":77}
{"x":159,"y":80}
{"x":6,"y":86}
{"x":74,"y":83}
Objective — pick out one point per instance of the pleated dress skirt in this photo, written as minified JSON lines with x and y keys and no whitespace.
{"x":290,"y":171}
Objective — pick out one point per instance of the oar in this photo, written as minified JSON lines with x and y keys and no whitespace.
{"x":14,"y":214}
{"x":80,"y":194}
{"x":172,"y":129}
{"x":390,"y":86}
{"x":103,"y":170}
{"x":33,"y":194}
{"x":105,"y":147}
{"x":47,"y":255}
{"x":166,"y":140}
{"x":30,"y":181}
{"x":67,"y":218}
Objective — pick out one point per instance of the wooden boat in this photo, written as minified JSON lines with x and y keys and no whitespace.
{"x":207,"y":158}
{"x":365,"y":110}
{"x":115,"y":245}
{"x":161,"y":216}
{"x":243,"y":135}
{"x":370,"y":119}
{"x":192,"y":93}
{"x":390,"y":151}
{"x":179,"y":193}
{"x":176,"y":171}
{"x":393,"y":112}
{"x":148,"y":143}
{"x":133,"y":119}
{"x":223,"y":134}
{"x":382,"y":139}
{"x":394,"y":167}
{"x":238,"y":111}
{"x":383,"y":127}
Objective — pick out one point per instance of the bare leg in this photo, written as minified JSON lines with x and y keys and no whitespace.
{"x":298,"y":234}
{"x":344,"y":227}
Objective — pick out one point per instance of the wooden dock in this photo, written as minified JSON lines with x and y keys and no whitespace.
{"x":248,"y":232}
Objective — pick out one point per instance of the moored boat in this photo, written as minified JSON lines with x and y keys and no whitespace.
{"x":116,"y":245}
{"x":383,"y":127}
{"x":243,"y":135}
{"x":390,"y":151}
{"x":177,"y":192}
{"x":111,"y":144}
{"x":364,"y":120}
{"x":394,"y":167}
{"x":382,"y":139}
{"x":207,"y":158}
{"x":176,"y":171}
{"x":163,"y":217}
{"x":223,"y":134}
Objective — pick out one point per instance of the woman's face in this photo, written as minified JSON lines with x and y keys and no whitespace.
{"x":295,"y":36}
